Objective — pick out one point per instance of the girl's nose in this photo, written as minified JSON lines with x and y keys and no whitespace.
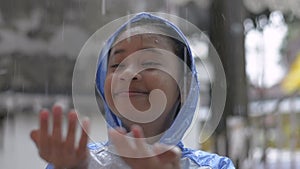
{"x":130,"y":73}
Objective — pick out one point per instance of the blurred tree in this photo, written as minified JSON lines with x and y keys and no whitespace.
{"x":227,"y":36}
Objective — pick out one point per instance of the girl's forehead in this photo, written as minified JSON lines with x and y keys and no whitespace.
{"x":146,"y":40}
{"x":145,"y":45}
{"x":138,"y":30}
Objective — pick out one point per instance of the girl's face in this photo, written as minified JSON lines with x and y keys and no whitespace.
{"x":137,"y":66}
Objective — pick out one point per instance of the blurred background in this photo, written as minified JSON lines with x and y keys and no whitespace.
{"x":258,"y":42}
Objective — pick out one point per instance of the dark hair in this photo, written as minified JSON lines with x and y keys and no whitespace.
{"x":180,"y":50}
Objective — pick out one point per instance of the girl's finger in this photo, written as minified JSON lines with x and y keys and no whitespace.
{"x":167,"y":154}
{"x":34,"y":135}
{"x":140,"y":144}
{"x":43,"y":136}
{"x":121,"y":143}
{"x":57,"y":133}
{"x":70,"y":139}
{"x":137,"y":131}
{"x":121,"y":130}
{"x":84,"y":137}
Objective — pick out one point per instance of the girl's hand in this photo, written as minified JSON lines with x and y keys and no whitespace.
{"x":140,"y":156}
{"x":59,"y":151}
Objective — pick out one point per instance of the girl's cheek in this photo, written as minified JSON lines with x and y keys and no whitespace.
{"x":107,"y":87}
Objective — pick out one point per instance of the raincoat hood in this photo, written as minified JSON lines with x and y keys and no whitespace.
{"x":184,"y":118}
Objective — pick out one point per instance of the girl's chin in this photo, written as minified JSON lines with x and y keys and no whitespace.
{"x":131,"y":107}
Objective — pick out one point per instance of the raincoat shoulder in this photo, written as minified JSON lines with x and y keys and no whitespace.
{"x":205,"y":160}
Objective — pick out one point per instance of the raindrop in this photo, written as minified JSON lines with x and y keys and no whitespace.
{"x":15,"y":70}
{"x":186,"y":17}
{"x":46,"y":87}
{"x":2,"y":133}
{"x":1,"y":19}
{"x":167,"y":5}
{"x":23,"y":88}
{"x":223,"y":17}
{"x":103,"y":7}
{"x":128,"y":26}
{"x":63,"y":30}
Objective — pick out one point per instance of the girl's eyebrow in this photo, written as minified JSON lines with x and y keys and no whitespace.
{"x":117,"y":51}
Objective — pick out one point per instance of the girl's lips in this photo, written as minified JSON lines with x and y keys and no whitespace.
{"x":131,"y":93}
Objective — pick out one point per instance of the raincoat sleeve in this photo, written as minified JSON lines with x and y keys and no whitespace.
{"x":210,"y":161}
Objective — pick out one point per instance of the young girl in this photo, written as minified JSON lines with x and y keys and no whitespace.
{"x":146,"y":81}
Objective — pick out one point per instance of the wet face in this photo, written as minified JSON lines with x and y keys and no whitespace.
{"x":136,"y":66}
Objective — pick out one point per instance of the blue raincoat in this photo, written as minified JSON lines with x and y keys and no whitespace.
{"x":101,"y":158}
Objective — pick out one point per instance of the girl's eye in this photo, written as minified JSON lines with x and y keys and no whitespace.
{"x":116,"y":65}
